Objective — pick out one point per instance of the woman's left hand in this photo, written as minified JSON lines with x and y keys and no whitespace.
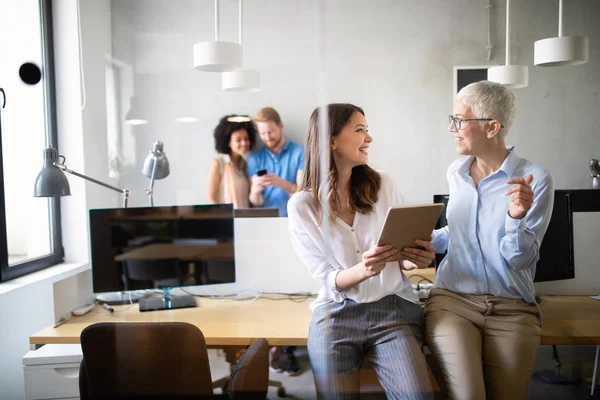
{"x":418,"y":257}
{"x":521,"y":196}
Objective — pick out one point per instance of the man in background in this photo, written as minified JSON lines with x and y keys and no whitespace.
{"x":281,"y":158}
{"x":283,"y":161}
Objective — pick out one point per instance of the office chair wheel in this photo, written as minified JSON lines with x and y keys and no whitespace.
{"x":281,"y":392}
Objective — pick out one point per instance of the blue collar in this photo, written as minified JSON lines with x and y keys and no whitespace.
{"x":511,"y":162}
{"x":509,"y":165}
{"x":285,"y":147}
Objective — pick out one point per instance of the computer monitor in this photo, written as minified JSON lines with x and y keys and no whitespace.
{"x":162,"y":248}
{"x":556,"y":252}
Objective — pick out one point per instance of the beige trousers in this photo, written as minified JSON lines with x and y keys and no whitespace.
{"x":485,"y":345}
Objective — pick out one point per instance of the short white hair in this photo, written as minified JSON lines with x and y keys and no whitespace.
{"x":490,"y":100}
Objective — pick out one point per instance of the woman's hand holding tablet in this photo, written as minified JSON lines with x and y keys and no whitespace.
{"x":420,"y":256}
{"x":408,"y":229}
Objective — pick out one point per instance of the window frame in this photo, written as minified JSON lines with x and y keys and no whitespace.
{"x":57,"y":252}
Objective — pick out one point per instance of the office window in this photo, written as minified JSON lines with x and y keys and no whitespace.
{"x":30,"y":236}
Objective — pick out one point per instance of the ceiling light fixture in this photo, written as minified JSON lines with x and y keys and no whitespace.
{"x":511,"y":76}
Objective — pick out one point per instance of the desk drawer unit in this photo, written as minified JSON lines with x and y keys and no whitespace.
{"x":52,"y":372}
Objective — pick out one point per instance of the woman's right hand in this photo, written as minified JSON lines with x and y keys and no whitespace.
{"x":256,"y":189}
{"x":374,"y":260}
{"x":257,"y":183}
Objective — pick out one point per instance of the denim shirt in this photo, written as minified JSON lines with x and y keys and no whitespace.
{"x":286,"y":164}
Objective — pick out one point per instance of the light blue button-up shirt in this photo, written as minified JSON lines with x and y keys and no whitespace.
{"x":286,"y":164}
{"x":488,"y":251}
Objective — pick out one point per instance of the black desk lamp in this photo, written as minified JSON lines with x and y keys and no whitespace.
{"x":52,"y":182}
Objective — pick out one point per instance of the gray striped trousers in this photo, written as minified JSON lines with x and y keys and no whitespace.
{"x":387,"y":332}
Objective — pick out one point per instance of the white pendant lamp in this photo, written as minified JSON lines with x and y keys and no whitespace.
{"x":134,"y":116}
{"x":217,"y":56}
{"x":239,"y":118}
{"x":511,"y":76}
{"x":561,"y":50}
{"x":242,"y":80}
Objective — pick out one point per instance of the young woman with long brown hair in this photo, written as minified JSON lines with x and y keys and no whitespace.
{"x":366,"y":308}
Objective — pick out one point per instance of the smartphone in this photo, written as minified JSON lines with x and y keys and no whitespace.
{"x":261,"y":172}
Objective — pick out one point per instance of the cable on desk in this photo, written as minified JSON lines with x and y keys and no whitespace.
{"x":117,"y":310}
{"x":423,"y":278}
{"x":295,"y":297}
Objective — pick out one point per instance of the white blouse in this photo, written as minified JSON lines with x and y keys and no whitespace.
{"x":329,"y":248}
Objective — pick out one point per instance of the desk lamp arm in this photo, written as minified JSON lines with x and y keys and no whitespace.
{"x":150,"y":190}
{"x":124,"y":192}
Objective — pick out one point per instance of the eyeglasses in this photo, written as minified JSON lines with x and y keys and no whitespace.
{"x":457,"y":122}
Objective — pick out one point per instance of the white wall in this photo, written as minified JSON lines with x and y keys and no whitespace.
{"x":82,"y":134}
{"x":27,"y":306}
{"x":25,"y":311}
{"x":394,"y":58}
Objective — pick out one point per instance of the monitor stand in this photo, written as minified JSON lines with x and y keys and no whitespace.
{"x":118,"y":298}
{"x":167,"y":302}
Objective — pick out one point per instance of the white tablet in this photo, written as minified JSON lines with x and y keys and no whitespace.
{"x":404,"y":224}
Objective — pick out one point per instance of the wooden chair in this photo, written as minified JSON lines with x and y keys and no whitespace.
{"x":160,"y":361}
{"x":250,"y":377}
{"x":233,"y":355}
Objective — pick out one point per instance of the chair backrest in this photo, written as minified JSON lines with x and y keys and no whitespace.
{"x":250,"y":378}
{"x":157,"y":360}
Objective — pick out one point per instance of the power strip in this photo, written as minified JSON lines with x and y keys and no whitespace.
{"x":422,"y":290}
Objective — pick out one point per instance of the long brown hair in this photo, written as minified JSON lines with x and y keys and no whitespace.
{"x":364,"y":181}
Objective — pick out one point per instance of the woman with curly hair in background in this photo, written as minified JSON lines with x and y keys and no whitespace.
{"x":227,"y":181}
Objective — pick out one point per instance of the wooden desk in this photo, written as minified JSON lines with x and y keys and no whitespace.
{"x":570,"y":320}
{"x":223,"y":322}
{"x":567,"y":320}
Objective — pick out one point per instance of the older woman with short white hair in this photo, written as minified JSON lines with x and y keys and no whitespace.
{"x":481,"y":319}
